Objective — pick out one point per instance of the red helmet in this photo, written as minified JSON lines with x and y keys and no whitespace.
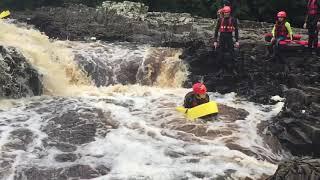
{"x":199,"y":88}
{"x":226,"y":9}
{"x":282,"y":14}
{"x":220,"y":11}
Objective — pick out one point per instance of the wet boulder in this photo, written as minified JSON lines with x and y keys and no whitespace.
{"x":298,"y":125}
{"x":299,"y":169}
{"x":17,"y":77}
{"x":72,"y":172}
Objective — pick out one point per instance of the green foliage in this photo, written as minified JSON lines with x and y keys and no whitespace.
{"x":259,"y":10}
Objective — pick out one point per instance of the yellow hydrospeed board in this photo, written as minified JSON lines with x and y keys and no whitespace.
{"x":4,"y":14}
{"x":199,"y":111}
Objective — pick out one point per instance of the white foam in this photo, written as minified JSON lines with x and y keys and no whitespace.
{"x":277,"y":98}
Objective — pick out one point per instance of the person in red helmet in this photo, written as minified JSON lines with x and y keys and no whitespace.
{"x":281,"y":31}
{"x":233,"y":4}
{"x":226,"y":26}
{"x":312,"y":23}
{"x":196,"y":97}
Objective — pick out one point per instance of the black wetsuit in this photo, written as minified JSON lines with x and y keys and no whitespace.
{"x":191,"y":101}
{"x":226,"y":43}
{"x":312,"y":27}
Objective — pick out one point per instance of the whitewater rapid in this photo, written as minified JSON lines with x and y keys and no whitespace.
{"x":148,"y":138}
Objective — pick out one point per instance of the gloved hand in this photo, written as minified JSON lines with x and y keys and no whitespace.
{"x":273,"y":39}
{"x":305,"y":26}
{"x":237,"y":44}
{"x":215,"y":44}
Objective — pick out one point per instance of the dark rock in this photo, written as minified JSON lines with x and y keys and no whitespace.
{"x":231,"y":114}
{"x":19,"y":139}
{"x":66,"y":157}
{"x":298,"y":125}
{"x":103,"y":64}
{"x":132,"y":23}
{"x":200,"y":175}
{"x":174,"y":154}
{"x":82,"y":171}
{"x":193,"y":160}
{"x":61,"y":146}
{"x":299,"y":169}
{"x":103,"y":170}
{"x":75,"y":126}
{"x":139,"y":177}
{"x":18,"y":78}
{"x":40,"y":173}
{"x":6,"y":163}
{"x":67,"y":128}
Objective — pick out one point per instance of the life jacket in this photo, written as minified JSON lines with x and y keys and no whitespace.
{"x":226,"y":27}
{"x":312,"y":7}
{"x":281,"y":29}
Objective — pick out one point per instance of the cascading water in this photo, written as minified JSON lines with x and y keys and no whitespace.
{"x":130,"y":131}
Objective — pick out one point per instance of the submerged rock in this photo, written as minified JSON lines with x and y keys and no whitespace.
{"x":17,"y":77}
{"x":72,"y":172}
{"x":66,"y":157}
{"x":19,"y":139}
{"x":52,"y":133}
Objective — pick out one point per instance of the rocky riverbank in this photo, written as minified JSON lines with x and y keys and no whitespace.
{"x":299,"y":169}
{"x":253,"y":76}
{"x":124,"y":22}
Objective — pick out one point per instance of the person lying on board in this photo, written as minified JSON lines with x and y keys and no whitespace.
{"x":196,"y":97}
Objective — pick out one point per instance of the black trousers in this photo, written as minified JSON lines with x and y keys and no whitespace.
{"x":276,"y":55}
{"x":312,"y":31}
{"x":226,"y":46}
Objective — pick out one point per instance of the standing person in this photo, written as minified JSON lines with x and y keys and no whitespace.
{"x":312,"y":23}
{"x":280,"y":32}
{"x":226,"y":26}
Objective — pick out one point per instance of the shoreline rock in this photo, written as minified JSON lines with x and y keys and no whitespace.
{"x":127,"y":21}
{"x":298,"y":169}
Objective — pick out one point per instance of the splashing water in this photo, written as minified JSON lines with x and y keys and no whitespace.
{"x":126,"y":63}
{"x":50,"y":58}
{"x":126,"y":131}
